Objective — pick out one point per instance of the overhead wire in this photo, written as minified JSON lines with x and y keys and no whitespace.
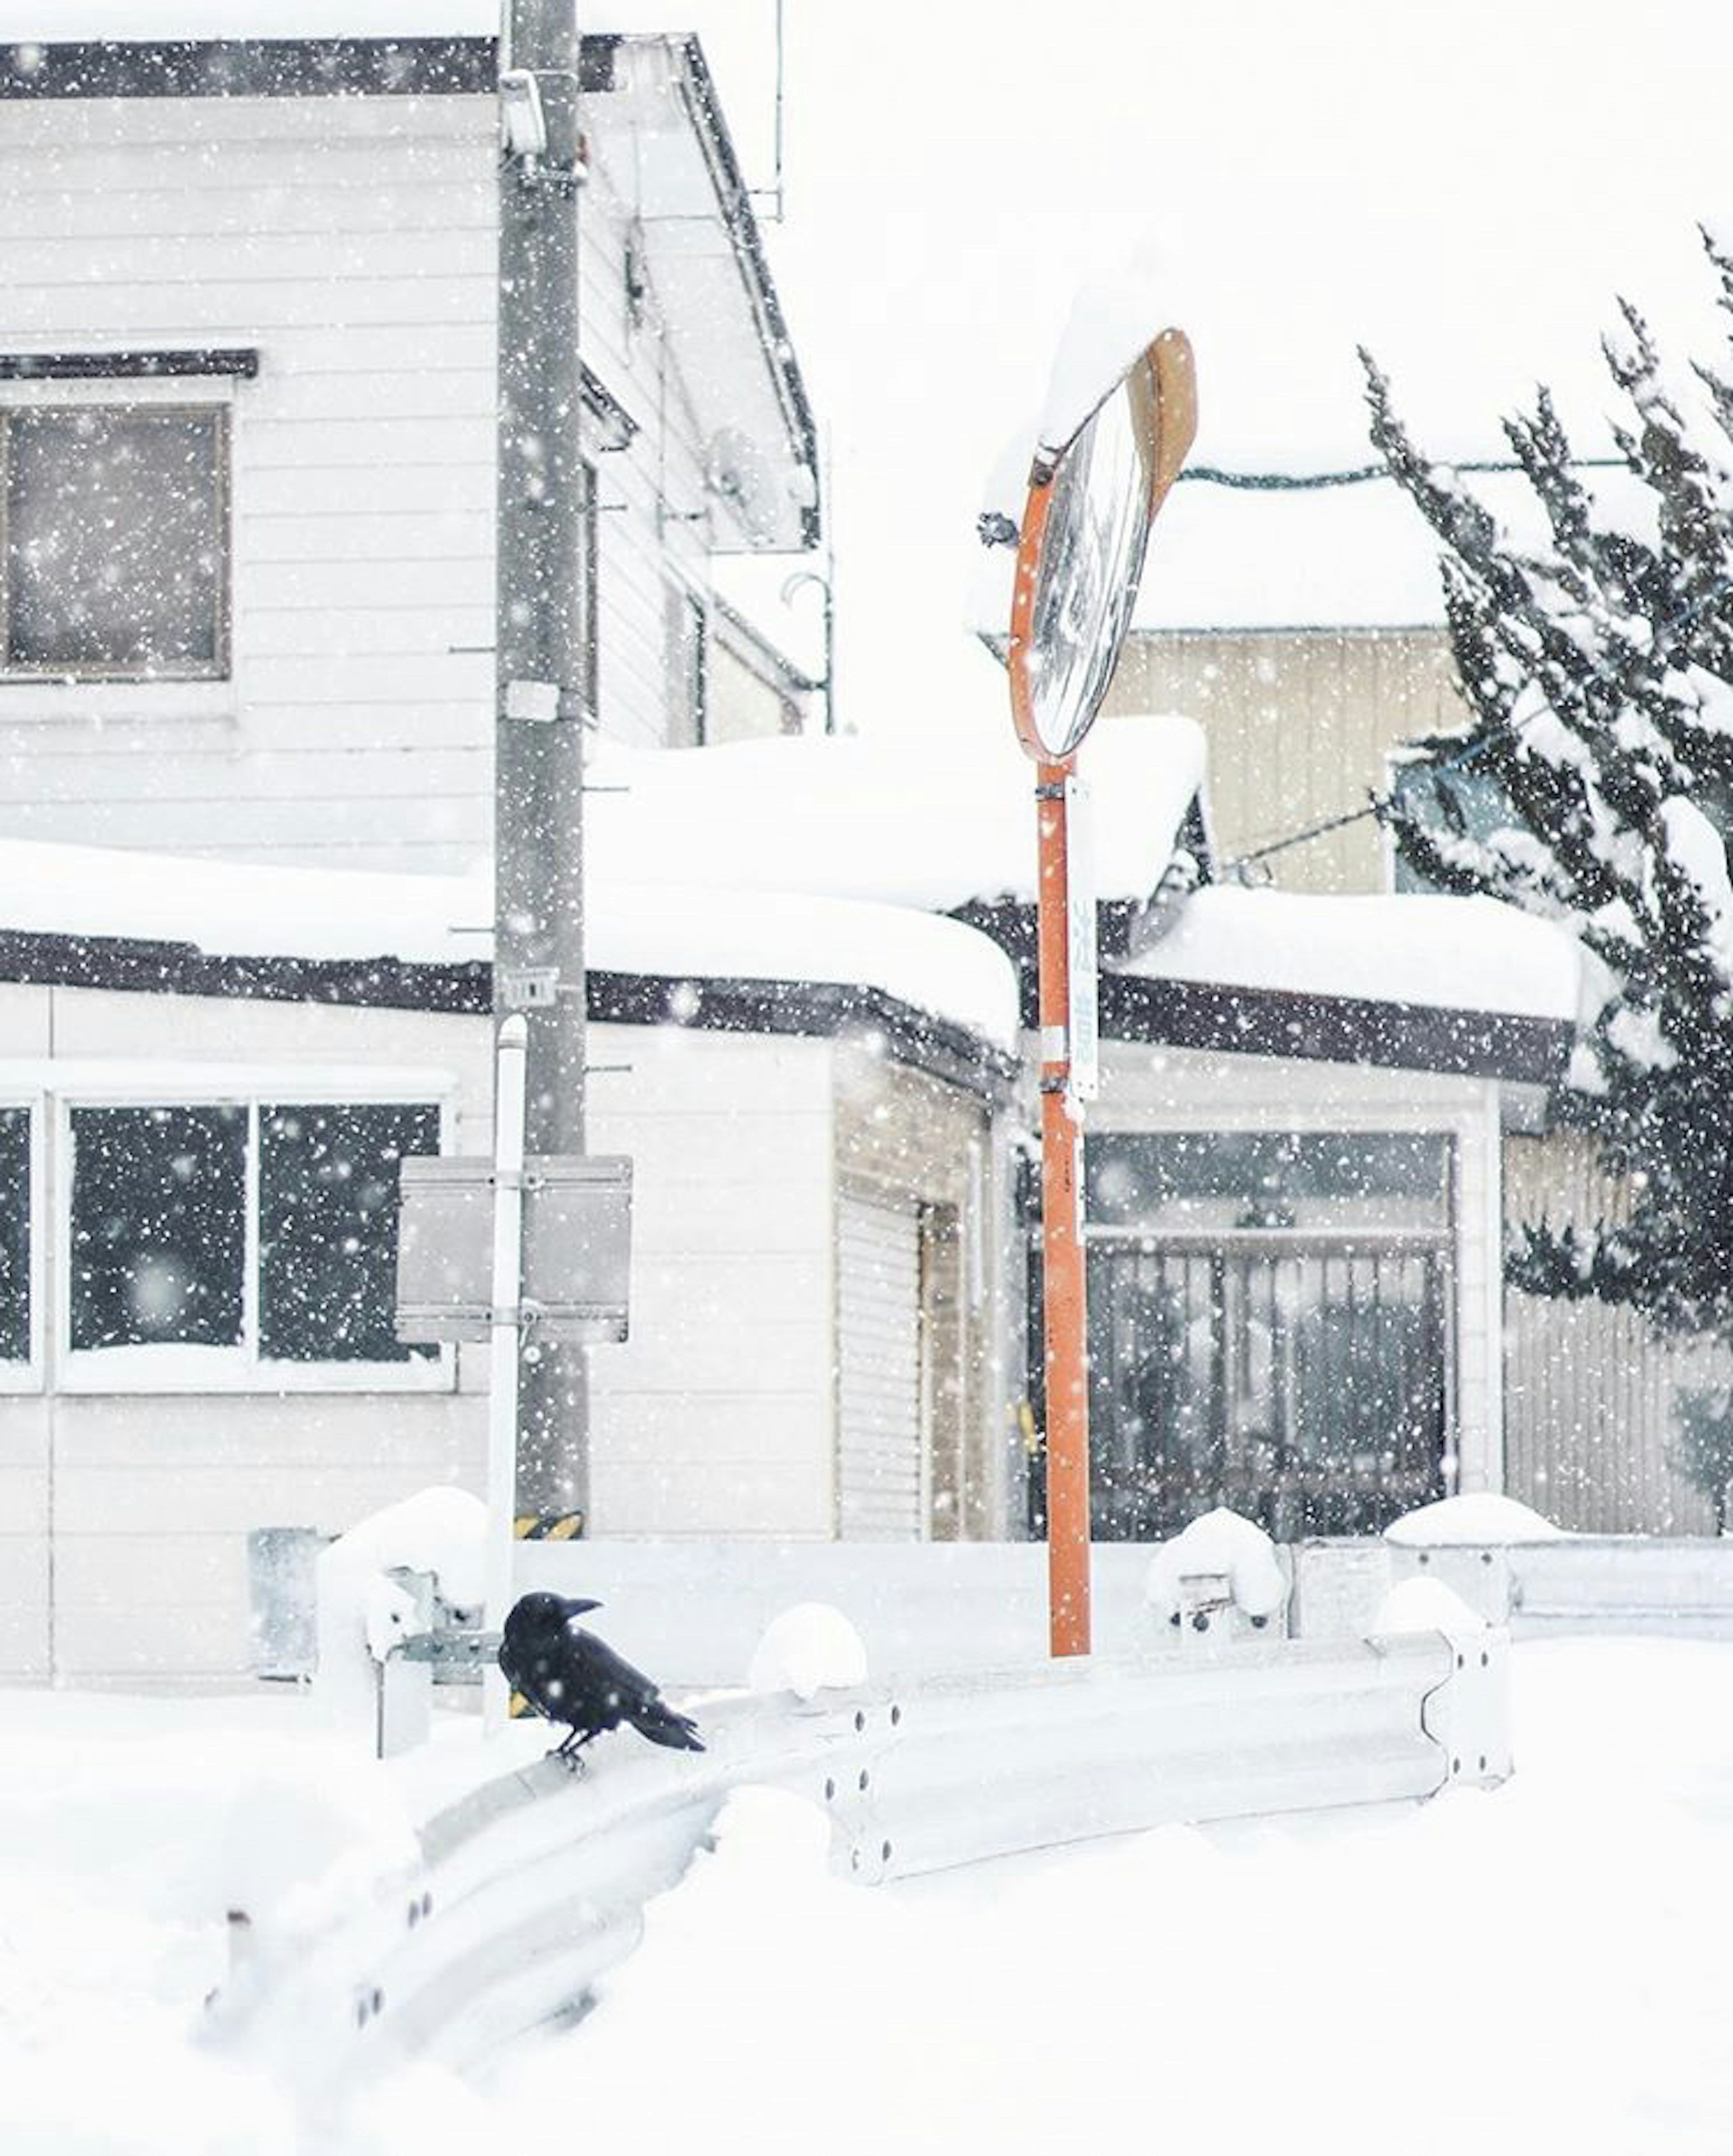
{"x":1297,"y":482}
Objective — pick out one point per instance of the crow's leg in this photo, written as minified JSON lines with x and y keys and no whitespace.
{"x":567,"y":1749}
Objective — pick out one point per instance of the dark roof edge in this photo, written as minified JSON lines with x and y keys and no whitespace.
{"x":742,"y":222}
{"x":816,"y":1010}
{"x":1288,"y":1022}
{"x":254,"y":67}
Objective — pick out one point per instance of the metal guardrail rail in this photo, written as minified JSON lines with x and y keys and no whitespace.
{"x":532,"y":1886}
{"x":1679,"y":1585}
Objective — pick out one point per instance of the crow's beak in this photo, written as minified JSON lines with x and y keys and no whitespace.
{"x":577,"y":1609}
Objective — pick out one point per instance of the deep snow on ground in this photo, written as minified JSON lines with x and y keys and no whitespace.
{"x":1542,"y":1967}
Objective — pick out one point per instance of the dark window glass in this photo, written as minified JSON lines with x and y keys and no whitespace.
{"x":328,"y":1230}
{"x":14,"y":1234}
{"x":116,"y":541}
{"x":1265,"y":1174}
{"x":1477,"y":808}
{"x":159,"y":1240}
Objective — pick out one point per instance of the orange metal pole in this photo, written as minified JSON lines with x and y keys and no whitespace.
{"x":1063,"y":1297}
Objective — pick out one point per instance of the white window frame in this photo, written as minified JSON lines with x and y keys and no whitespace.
{"x":27,"y":698}
{"x":685,"y":591}
{"x":177,"y":1366}
{"x":30,"y":1376}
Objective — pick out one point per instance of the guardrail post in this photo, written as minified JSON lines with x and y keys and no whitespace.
{"x":406,"y":1705}
{"x":1468,"y":1715}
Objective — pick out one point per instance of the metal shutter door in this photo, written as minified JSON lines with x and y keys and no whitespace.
{"x":878,"y":1372}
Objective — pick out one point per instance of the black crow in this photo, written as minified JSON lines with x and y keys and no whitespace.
{"x":568,"y":1674}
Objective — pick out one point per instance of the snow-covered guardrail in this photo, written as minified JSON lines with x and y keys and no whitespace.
{"x":531,"y":1886}
{"x":1622,"y":1584}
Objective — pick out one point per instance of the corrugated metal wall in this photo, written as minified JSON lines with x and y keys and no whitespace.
{"x":1590,"y":1391}
{"x":880,"y":1496}
{"x":904,"y":1140}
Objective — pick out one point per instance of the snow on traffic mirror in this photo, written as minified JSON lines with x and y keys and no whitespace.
{"x":1093,"y":495}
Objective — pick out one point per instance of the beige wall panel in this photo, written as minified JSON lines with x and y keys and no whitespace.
{"x":1300,"y":724}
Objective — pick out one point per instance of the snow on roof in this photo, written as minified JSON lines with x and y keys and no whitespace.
{"x":142,"y":21}
{"x":1354,"y":556}
{"x":1447,"y":953}
{"x":1359,"y":556}
{"x":241,"y":909}
{"x":74,"y":22}
{"x":930,"y":826}
{"x":820,"y":860}
{"x":232,"y":909}
{"x":942,"y":967}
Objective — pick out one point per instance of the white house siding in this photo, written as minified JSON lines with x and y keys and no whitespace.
{"x":352,"y":241}
{"x":26,"y":1031}
{"x":1148,"y":1088}
{"x":716,"y":1417}
{"x":135,"y":1505}
{"x":1591,"y":1391}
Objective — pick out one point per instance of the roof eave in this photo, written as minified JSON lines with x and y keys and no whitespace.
{"x":941,"y":1047}
{"x":1227,"y":1019}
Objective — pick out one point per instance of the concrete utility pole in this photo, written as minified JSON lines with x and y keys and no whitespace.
{"x":540,"y":639}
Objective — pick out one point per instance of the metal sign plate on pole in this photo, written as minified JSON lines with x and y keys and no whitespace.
{"x":576,"y":1248}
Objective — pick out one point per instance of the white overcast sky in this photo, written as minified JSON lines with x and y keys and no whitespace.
{"x":1462,"y":187}
{"x":1462,"y":184}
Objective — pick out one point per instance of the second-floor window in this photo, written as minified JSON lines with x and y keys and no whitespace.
{"x":115,"y":529}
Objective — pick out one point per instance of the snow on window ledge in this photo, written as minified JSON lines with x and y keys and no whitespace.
{"x":174,"y":1367}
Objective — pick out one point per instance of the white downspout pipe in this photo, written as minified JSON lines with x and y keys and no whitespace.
{"x":509,"y":1105}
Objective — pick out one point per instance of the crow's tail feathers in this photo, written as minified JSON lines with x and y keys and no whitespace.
{"x":660,"y":1722}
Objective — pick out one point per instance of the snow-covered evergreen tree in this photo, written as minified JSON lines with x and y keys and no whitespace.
{"x":1598,"y":667}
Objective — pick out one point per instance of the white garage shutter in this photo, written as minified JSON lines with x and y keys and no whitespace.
{"x":879,"y":1371}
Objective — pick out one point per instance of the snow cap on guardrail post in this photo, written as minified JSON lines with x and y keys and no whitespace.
{"x":1468,"y":1715}
{"x":1465,"y":1542}
{"x":810,"y":1649}
{"x":1221,"y":1578}
{"x":379,"y":1585}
